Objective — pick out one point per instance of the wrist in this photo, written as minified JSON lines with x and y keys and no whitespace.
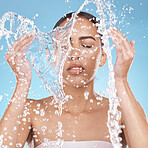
{"x":120,"y":80}
{"x":23,"y":82}
{"x":121,"y":83}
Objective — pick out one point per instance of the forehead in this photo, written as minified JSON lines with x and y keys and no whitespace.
{"x":83,"y":26}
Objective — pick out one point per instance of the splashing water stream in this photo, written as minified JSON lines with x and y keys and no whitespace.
{"x":50,"y":69}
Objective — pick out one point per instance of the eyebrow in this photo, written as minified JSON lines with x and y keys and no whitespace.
{"x":87,"y":37}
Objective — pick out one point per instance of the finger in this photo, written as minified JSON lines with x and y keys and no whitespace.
{"x":124,"y":53}
{"x":17,"y":47}
{"x":123,"y":42}
{"x":126,"y":47}
{"x":112,"y":36}
{"x":20,"y":58}
{"x":13,"y":47}
{"x":119,"y":35}
{"x":116,"y":30}
{"x":16,"y":44}
{"x":24,"y":42}
{"x":121,"y":52}
{"x":24,"y":48}
{"x":115,"y":41}
{"x":132,"y":44}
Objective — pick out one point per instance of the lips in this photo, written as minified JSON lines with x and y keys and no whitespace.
{"x":75,"y":69}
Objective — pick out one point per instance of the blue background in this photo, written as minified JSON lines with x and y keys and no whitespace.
{"x":49,"y":12}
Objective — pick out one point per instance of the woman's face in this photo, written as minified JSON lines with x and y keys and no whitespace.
{"x":84,"y":58}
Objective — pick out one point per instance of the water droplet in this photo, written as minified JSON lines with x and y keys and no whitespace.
{"x":86,"y":95}
{"x":35,"y":16}
{"x":91,"y":100}
{"x":1,"y":48}
{"x":66,"y":1}
{"x":1,"y":97}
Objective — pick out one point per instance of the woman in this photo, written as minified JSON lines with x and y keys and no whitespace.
{"x":83,"y":118}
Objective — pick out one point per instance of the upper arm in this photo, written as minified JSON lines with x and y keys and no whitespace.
{"x":25,"y":125}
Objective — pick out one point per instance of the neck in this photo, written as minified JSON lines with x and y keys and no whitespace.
{"x":81,"y":98}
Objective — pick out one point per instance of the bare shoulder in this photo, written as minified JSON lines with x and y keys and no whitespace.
{"x":102,"y":102}
{"x":38,"y":108}
{"x":106,"y":106}
{"x":25,"y":130}
{"x":33,"y":104}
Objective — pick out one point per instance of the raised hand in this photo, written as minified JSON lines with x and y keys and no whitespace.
{"x":18,"y":61}
{"x":125,"y":53}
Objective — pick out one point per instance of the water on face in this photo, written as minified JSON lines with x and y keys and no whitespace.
{"x":48,"y":55}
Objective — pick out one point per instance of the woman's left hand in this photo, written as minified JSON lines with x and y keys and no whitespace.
{"x":125,"y":53}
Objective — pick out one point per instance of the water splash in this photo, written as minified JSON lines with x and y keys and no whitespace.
{"x":41,"y":52}
{"x":50,"y":70}
{"x":108,"y":20}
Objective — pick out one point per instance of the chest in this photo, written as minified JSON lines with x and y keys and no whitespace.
{"x":84,"y":127}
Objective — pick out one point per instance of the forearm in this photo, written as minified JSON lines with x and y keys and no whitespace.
{"x":10,"y":122}
{"x":133,"y":117}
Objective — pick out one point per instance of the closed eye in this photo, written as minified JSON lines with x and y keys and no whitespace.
{"x":86,"y":46}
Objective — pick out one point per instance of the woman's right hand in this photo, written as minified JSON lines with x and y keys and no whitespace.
{"x":17,"y":60}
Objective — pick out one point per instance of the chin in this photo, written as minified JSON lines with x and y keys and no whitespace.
{"x":77,"y":83}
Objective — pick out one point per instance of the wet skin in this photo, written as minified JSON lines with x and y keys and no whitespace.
{"x":82,"y":120}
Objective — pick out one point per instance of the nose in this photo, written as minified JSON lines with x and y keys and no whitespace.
{"x":75,"y":54}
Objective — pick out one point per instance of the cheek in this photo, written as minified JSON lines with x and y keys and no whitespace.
{"x":92,"y":57}
{"x":93,"y":60}
{"x":91,"y":66}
